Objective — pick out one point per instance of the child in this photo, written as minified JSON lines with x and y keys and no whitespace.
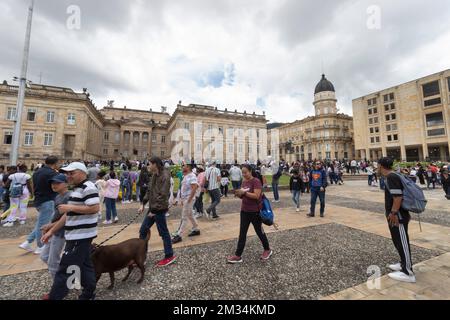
{"x":111,"y":194}
{"x":296,"y":186}
{"x":51,"y":253}
{"x":101,"y":186}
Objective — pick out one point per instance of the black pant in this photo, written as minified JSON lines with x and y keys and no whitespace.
{"x":255,"y":219}
{"x":198,"y":204}
{"x":142,"y":192}
{"x":224,"y":190}
{"x":401,"y":242}
{"x":75,"y":262}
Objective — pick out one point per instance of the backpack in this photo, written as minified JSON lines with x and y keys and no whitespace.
{"x":413,"y":197}
{"x":16,"y":189}
{"x":266,"y":212}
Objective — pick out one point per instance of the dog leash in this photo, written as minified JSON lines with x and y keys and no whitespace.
{"x":115,"y":234}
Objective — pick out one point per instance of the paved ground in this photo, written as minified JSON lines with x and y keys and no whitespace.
{"x":315,"y":258}
{"x":309,"y":263}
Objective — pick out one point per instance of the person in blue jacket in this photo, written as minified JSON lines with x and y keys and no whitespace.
{"x":318,"y":183}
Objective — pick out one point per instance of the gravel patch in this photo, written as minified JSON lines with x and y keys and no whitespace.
{"x":308,"y":263}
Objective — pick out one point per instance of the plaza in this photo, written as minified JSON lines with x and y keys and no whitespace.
{"x":316,"y":258}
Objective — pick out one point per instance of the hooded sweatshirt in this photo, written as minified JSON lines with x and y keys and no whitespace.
{"x":112,"y":189}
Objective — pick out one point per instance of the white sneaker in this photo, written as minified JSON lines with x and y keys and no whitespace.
{"x":297,"y":210}
{"x":107,"y":222}
{"x":8,"y":224}
{"x":400,"y":276}
{"x":22,"y":222}
{"x":167,"y":214}
{"x":395,"y":267}
{"x":38,"y":250}
{"x":116,"y":219}
{"x":26,"y":246}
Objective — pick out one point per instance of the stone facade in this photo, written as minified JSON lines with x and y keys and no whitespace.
{"x":58,"y":121}
{"x":55,"y":121}
{"x":328,"y":135}
{"x":410,"y":121}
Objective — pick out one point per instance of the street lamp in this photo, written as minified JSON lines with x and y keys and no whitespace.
{"x":22,"y":86}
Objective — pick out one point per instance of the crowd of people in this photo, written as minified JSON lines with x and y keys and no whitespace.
{"x":72,"y":198}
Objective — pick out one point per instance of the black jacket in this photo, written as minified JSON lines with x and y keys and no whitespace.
{"x":296,"y":183}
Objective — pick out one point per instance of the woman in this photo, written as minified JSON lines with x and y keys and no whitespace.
{"x":20,"y":191}
{"x":445,"y":179}
{"x":198,"y":205}
{"x":224,"y":181}
{"x":250,"y":193}
{"x":111,"y":194}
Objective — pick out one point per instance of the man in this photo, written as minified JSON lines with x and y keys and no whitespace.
{"x":44,"y":198}
{"x":80,"y":224}
{"x":318,"y":184}
{"x":2,"y":171}
{"x":188,"y":192}
{"x":125,"y":183}
{"x":398,"y":219}
{"x":158,"y":198}
{"x":277,"y":171}
{"x":213,"y":181}
{"x":236,"y":177}
{"x":353,"y":166}
{"x":93,"y":172}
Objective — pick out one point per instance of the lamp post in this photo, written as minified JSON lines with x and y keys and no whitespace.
{"x":22,"y":88}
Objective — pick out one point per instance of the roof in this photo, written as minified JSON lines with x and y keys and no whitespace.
{"x":324,"y":85}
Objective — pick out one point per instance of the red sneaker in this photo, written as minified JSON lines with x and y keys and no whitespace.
{"x":46,"y":296}
{"x":165,"y":262}
{"x":266,"y":254}
{"x":234,"y":259}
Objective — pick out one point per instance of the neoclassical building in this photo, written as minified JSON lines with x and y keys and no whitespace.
{"x":326,"y":135}
{"x":59,"y":121}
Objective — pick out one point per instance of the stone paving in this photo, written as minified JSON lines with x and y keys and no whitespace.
{"x":431,"y":253}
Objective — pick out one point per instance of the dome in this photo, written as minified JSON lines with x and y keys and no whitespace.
{"x":324,"y":85}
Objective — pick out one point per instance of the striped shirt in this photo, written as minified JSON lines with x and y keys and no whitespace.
{"x":212,"y":175}
{"x":82,"y":226}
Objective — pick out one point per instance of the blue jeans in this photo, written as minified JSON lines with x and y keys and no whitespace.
{"x":236,"y":184}
{"x":215,"y":200}
{"x":126,"y":192}
{"x":45,"y":214}
{"x":315,"y":192}
{"x":138,"y":192}
{"x":276,"y":195}
{"x":296,"y":197}
{"x":111,"y":211}
{"x":370,"y":179}
{"x":2,"y":190}
{"x":163,"y":231}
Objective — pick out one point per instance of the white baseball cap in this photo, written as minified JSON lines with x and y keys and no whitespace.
{"x":75,"y":166}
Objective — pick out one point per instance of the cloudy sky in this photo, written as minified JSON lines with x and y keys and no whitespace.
{"x":254,"y":55}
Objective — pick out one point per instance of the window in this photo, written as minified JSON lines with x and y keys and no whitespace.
{"x":392,"y":106}
{"x":163,"y":153}
{"x":389,"y":138}
{"x":145,"y":137}
{"x":105,"y":151}
{"x":29,"y":138}
{"x":371,"y":130}
{"x":372,"y":102}
{"x":154,"y":138}
{"x":186,"y":125}
{"x":395,"y":137}
{"x":8,"y":137}
{"x":371,"y":121}
{"x":377,"y":139}
{"x":391,"y":117}
{"x":71,"y":118}
{"x":106,"y":136}
{"x":388,"y":97}
{"x":48,"y":139}
{"x":117,"y":136}
{"x":116,"y":152}
{"x":432,"y":102}
{"x":11,"y":114}
{"x":372,"y":140}
{"x":431,"y":89}
{"x":375,"y":120}
{"x":31,"y":115}
{"x":434,"y":119}
{"x":377,"y":129}
{"x":436,"y":132}
{"x":163,"y":139}
{"x":50,"y":117}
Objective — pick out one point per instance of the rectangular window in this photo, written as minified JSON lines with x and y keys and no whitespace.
{"x":154,"y":138}
{"x":163,"y":139}
{"x":386,"y":107}
{"x":375,"y":120}
{"x":48,"y":139}
{"x":371,"y":130}
{"x":372,"y":140}
{"x":389,"y":138}
{"x":371,"y":121}
{"x":436,"y":132}
{"x":11,"y":114}
{"x":31,"y":115}
{"x":186,"y":125}
{"x":431,"y":89}
{"x":106,"y":136}
{"x":377,"y":139}
{"x":50,"y":117}
{"x":395,"y":137}
{"x":116,"y":152}
{"x":163,"y":153}
{"x":434,"y":119}
{"x":29,"y":138}
{"x":105,"y":151}
{"x":393,"y":116}
{"x":433,"y":102}
{"x":71,"y":118}
{"x":377,"y":129}
{"x":388,"y":127}
{"x":394,"y":127}
{"x":392,"y":106}
{"x":8,"y":137}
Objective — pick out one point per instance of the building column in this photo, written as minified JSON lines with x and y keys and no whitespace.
{"x":403,"y":152}
{"x":425,"y":151}
{"x":384,"y":151}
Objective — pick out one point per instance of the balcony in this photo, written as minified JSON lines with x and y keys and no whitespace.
{"x":328,"y":126}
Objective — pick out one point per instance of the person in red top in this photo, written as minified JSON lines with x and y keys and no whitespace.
{"x":250,"y":193}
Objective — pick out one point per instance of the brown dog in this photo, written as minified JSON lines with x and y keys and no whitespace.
{"x":130,"y":253}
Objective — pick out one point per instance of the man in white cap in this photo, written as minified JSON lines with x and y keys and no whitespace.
{"x":80,"y":223}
